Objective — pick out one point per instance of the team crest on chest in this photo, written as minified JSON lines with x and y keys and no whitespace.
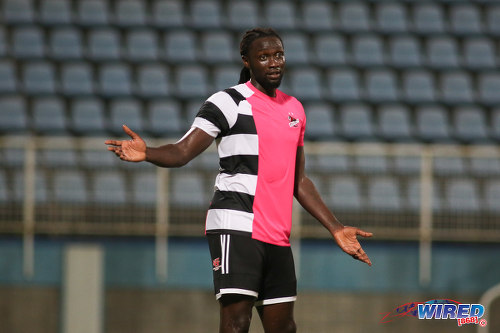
{"x":292,"y":121}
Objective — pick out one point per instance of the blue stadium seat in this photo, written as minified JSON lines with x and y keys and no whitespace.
{"x":356,"y":122}
{"x":205,"y":14}
{"x":470,"y":124}
{"x":462,"y":195}
{"x":345,"y":194}
{"x":492,"y":196}
{"x":104,"y":44}
{"x":180,"y":46}
{"x":109,"y":188}
{"x":330,"y":49}
{"x":479,"y":53}
{"x":465,"y":19}
{"x":192,"y":81}
{"x":144,"y":186}
{"x":418,"y":86}
{"x":39,"y":78}
{"x":306,"y":84}
{"x":407,"y":161}
{"x":445,"y":165}
{"x":125,"y":111}
{"x":4,"y":189}
{"x":488,"y":88}
{"x":18,"y":11}
{"x":495,"y":124}
{"x":142,"y":46}
{"x":165,"y":119}
{"x":428,"y":18}
{"x":280,"y":15}
{"x":243,"y":14}
{"x":384,"y":194}
{"x":8,"y":77}
{"x":28,"y":43}
{"x":226,"y":76}
{"x":354,"y":17}
{"x":487,"y":164}
{"x":296,"y":49}
{"x":371,"y":160}
{"x":93,"y":13}
{"x":77,"y":79}
{"x":66,"y":44}
{"x":381,"y":86}
{"x":331,"y":163}
{"x":4,"y":46}
{"x":394,"y":123}
{"x":317,"y":16}
{"x":320,"y":122}
{"x":153,"y":80}
{"x":343,"y":85}
{"x":442,"y":53}
{"x":432,"y":124}
{"x":217,"y":48}
{"x":456,"y":88}
{"x":368,"y":51}
{"x":87,"y":117}
{"x":115,"y":80}
{"x":168,"y":14}
{"x":57,"y":158}
{"x":13,"y":117}
{"x":70,"y":186}
{"x":405,"y":52}
{"x":391,"y":18}
{"x":55,"y":12}
{"x":48,"y":116}
{"x":42,"y":191}
{"x":413,"y":200}
{"x":130,"y":13}
{"x":187,"y":190}
{"x":493,"y":20}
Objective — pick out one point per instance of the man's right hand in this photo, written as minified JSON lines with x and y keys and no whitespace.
{"x":133,"y":150}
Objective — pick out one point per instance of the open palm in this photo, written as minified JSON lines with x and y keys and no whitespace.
{"x":347,"y":240}
{"x":133,"y":150}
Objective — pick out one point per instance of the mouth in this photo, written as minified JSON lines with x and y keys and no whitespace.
{"x":274,"y":75}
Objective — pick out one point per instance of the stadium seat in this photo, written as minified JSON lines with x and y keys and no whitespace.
{"x":470,"y":124}
{"x":306,"y":84}
{"x":485,"y":161}
{"x":14,"y":117}
{"x":462,"y":195}
{"x":479,"y":54}
{"x":4,"y":46}
{"x":356,"y":122}
{"x":405,"y":52}
{"x":109,"y":188}
{"x":418,"y":86}
{"x":371,"y":159}
{"x":280,"y":15}
{"x":217,"y":48}
{"x":5,"y":196}
{"x":320,"y":123}
{"x":432,"y":124}
{"x":354,"y":17}
{"x":205,"y":14}
{"x":42,"y":192}
{"x":165,"y":119}
{"x":144,"y":186}
{"x":28,"y":43}
{"x":125,"y":111}
{"x":243,"y":14}
{"x":226,"y":76}
{"x":343,"y":85}
{"x":381,"y":86}
{"x":391,"y":18}
{"x":493,"y":20}
{"x":492,"y":196}
{"x":330,"y":49}
{"x":48,"y":116}
{"x":168,"y":14}
{"x":104,"y":44}
{"x":70,"y":186}
{"x":77,"y":79}
{"x":446,"y":165}
{"x":317,"y":16}
{"x":465,"y":19}
{"x":345,"y":194}
{"x":407,"y":160}
{"x":330,"y":163}
{"x":153,"y":80}
{"x":55,"y":12}
{"x":413,"y":196}
{"x":187,"y":190}
{"x":87,"y":117}
{"x":456,"y":88}
{"x":442,"y":53}
{"x":495,"y":124}
{"x":394,"y":123}
{"x":428,"y":18}
{"x":368,"y":51}
{"x":57,"y":158}
{"x":115,"y":80}
{"x":18,"y":11}
{"x":384,"y":194}
{"x":93,"y":13}
{"x":39,"y":78}
{"x":8,"y":77}
{"x":66,"y":44}
{"x":130,"y":13}
{"x":488,"y":88}
{"x":296,"y":49}
{"x":142,"y":46}
{"x":180,"y":46}
{"x":192,"y":81}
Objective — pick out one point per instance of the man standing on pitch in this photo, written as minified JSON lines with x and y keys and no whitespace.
{"x":259,"y":132}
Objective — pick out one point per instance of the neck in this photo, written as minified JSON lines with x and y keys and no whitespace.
{"x":269,"y":91}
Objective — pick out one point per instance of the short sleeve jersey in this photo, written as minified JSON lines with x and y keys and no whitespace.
{"x":257,"y":138}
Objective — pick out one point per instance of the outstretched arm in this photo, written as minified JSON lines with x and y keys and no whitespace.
{"x":168,"y":156}
{"x":309,"y":198}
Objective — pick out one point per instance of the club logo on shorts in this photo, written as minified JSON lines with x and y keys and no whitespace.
{"x":216,"y":264}
{"x":292,"y":121}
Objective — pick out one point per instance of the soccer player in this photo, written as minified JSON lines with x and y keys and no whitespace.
{"x":259,"y":131}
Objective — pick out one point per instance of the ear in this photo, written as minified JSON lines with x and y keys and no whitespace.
{"x":245,"y":61}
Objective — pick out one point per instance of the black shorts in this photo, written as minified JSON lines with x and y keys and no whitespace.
{"x":242,"y":265}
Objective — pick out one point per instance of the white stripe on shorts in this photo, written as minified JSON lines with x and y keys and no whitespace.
{"x":236,"y":291}
{"x":224,"y":244}
{"x":276,"y":300}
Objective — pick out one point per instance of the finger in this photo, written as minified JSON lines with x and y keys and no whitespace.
{"x":364,"y":233}
{"x":113,"y":142}
{"x":130,"y":133}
